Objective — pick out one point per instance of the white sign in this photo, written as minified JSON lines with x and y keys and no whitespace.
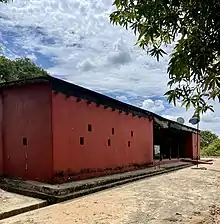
{"x":156,"y":149}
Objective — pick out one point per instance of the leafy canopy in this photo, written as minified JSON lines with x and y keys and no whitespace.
{"x":20,"y":68}
{"x":207,"y":138}
{"x":194,"y":27}
{"x":212,"y":150}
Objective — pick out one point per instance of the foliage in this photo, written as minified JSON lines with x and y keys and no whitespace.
{"x":212,"y":150}
{"x":207,"y":138}
{"x":18,"y":69}
{"x":4,"y":1}
{"x":194,"y":28}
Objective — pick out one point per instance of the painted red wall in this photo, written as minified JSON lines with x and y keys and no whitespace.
{"x":1,"y":145}
{"x":191,"y":146}
{"x":194,"y":145}
{"x":70,"y":122}
{"x":27,"y":114}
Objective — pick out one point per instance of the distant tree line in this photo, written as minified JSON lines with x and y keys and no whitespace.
{"x":209,"y":144}
{"x":20,"y":68}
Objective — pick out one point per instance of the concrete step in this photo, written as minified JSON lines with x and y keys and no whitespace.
{"x":62,"y":192}
{"x":13,"y":204}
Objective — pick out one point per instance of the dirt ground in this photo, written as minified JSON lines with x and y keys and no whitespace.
{"x":10,"y":201}
{"x":186,"y":196}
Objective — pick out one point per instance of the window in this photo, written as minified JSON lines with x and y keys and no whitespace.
{"x":89,"y":127}
{"x":129,"y":143}
{"x":132,"y":134}
{"x":25,"y":141}
{"x":109,"y":142}
{"x":113,"y":131}
{"x":81,"y":140}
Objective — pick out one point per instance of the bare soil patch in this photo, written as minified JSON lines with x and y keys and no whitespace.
{"x":185,"y":196}
{"x":10,"y":202}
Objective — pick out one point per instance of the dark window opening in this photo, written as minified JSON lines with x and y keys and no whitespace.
{"x":113,"y":131}
{"x":25,"y":141}
{"x":90,"y":127}
{"x":109,"y":142}
{"x":129,"y":143}
{"x":81,"y":140}
{"x":132,"y":133}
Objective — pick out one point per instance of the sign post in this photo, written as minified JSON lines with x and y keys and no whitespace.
{"x":195,"y":119}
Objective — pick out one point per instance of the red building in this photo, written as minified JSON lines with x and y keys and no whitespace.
{"x":53,"y":129}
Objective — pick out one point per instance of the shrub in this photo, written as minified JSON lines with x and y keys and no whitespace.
{"x":212,"y":150}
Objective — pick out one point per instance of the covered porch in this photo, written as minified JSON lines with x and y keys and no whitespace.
{"x":171,"y":142}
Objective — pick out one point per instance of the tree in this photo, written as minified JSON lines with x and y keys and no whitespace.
{"x":5,"y":1}
{"x":20,"y":68}
{"x":212,"y":150}
{"x":194,"y":28}
{"x":207,"y":138}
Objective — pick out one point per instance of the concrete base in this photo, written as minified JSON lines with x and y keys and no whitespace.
{"x":61,"y":192}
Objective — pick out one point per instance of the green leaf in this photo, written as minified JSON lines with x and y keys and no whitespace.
{"x":188,"y":105}
{"x":18,"y":69}
{"x":194,"y":63}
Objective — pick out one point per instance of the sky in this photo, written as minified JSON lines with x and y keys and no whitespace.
{"x":73,"y":40}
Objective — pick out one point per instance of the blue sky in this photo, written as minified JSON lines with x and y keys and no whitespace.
{"x":74,"y":40}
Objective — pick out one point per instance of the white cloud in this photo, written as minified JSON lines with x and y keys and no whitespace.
{"x":153,"y":106}
{"x":120,"y":57}
{"x":122,"y":54}
{"x":86,"y":65}
{"x":87,"y":50}
{"x":84,"y":38}
{"x":170,"y":117}
{"x":122,"y":98}
{"x":210,"y":117}
{"x":32,"y":57}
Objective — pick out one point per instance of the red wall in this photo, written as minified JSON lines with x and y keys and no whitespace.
{"x":191,"y":146}
{"x":70,"y":122}
{"x":27,"y":114}
{"x":194,"y":145}
{"x":1,"y":145}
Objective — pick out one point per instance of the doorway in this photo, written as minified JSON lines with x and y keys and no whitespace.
{"x":170,"y":143}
